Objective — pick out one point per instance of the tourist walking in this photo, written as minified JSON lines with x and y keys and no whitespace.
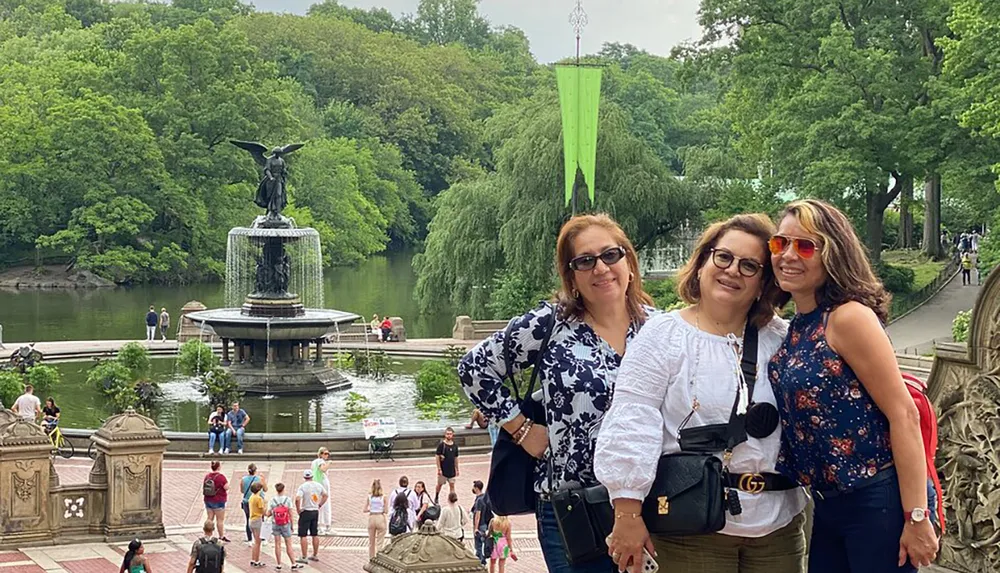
{"x":27,"y":406}
{"x":164,"y":324}
{"x":208,"y":555}
{"x":375,"y":507}
{"x":135,"y":559}
{"x":256,"y":514}
{"x":598,"y":309}
{"x":683,"y":374}
{"x":851,"y":431}
{"x":503,"y":543}
{"x":151,"y":318}
{"x":481,"y":517}
{"x":320,"y":466}
{"x":447,"y":463}
{"x":246,"y":489}
{"x":966,"y":269}
{"x":403,"y":519}
{"x":237,"y":420}
{"x":279,"y":509}
{"x":453,"y":518}
{"x":308,"y":499}
{"x":412,"y":498}
{"x":215,"y":489}
{"x":218,"y":430}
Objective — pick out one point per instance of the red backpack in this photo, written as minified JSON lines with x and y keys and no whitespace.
{"x":929,"y":433}
{"x":282,"y":516}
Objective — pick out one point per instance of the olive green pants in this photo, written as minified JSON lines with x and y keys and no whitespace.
{"x":782,"y":551}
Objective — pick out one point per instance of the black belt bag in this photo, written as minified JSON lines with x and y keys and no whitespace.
{"x":585,"y":518}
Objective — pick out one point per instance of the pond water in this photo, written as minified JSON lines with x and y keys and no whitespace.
{"x":382,"y":284}
{"x":184,"y":409}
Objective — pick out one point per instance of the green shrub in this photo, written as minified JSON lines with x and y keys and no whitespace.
{"x":373,"y":363}
{"x":220,"y":387}
{"x":11,"y":386}
{"x":135,"y":357}
{"x":436,"y":378}
{"x":960,"y":326}
{"x":513,"y":295}
{"x":43,"y":377}
{"x":450,"y":404}
{"x":109,"y":376}
{"x":664,"y":293}
{"x":897,"y":280}
{"x":196,"y":358}
{"x":357,"y":407}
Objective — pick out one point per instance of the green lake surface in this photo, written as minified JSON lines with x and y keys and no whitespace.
{"x":382,"y":284}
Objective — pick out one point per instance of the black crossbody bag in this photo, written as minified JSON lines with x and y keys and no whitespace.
{"x":511,"y":486}
{"x":690,"y":494}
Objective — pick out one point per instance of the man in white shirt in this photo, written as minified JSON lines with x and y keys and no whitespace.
{"x":27,"y":406}
{"x":411,"y":495}
{"x":308,"y":499}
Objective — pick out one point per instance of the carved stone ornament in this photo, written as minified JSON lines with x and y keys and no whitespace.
{"x":7,"y":417}
{"x":22,"y":433}
{"x":74,"y":507}
{"x":966,"y":395}
{"x":426,"y":551}
{"x":128,"y":426}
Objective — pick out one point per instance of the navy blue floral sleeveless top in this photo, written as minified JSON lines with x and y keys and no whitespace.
{"x":833,"y":434}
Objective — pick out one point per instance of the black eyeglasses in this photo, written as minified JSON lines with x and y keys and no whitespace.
{"x":724,"y":259}
{"x":588,"y":262}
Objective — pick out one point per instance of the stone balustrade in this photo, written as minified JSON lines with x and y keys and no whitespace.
{"x":121,"y":499}
{"x":467,"y":329}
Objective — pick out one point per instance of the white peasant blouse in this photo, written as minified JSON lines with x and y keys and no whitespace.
{"x":668,"y":366}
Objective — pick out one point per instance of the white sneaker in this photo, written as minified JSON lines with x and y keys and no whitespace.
{"x":249,"y":543}
{"x":210,"y":452}
{"x":241,"y":452}
{"x":225,"y":451}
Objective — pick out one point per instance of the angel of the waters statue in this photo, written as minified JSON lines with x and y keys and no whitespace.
{"x":272,"y":191}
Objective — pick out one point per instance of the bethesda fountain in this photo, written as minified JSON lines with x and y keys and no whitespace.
{"x":274,"y":296}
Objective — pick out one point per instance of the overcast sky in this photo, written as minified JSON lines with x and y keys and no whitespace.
{"x":653,"y":25}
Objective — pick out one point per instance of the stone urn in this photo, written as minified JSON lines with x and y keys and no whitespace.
{"x":188,"y":330}
{"x":425,"y":551}
{"x":7,"y":417}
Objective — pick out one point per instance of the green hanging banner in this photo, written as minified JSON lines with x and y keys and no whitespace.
{"x":579,"y":98}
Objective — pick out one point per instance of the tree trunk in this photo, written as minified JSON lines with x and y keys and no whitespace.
{"x":932,"y":216}
{"x":874,"y":220}
{"x":906,"y":213}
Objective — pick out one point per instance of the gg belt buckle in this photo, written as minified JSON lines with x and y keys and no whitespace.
{"x":752,"y":483}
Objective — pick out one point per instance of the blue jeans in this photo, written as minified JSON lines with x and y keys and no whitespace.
{"x":239,"y":438}
{"x":481,"y":545}
{"x":859,"y":531}
{"x":552,"y":546}
{"x":494,"y":432}
{"x":212,"y":437}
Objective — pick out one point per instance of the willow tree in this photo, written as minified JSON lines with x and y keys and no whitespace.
{"x":504,"y":226}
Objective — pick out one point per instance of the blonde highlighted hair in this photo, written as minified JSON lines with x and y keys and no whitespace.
{"x":844,"y":258}
{"x":574,"y":306}
{"x":377,"y":488}
{"x":756,"y":224}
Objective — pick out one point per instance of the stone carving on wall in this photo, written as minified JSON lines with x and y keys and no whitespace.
{"x":74,"y":507}
{"x":966,"y":392}
{"x":26,"y":501}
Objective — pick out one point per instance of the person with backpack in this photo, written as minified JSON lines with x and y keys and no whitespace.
{"x":966,"y":269}
{"x":207,"y":553}
{"x":375,"y":507}
{"x":851,"y":430}
{"x":308,"y":499}
{"x":245,"y":488}
{"x":427,"y":508}
{"x":279,"y":509}
{"x":411,"y":496}
{"x":403,"y":518}
{"x":481,"y":517}
{"x":214,"y":488}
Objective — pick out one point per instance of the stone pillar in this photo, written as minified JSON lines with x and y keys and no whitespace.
{"x":463,"y":329}
{"x":25,"y":483}
{"x":426,"y":551}
{"x":130,"y":453}
{"x":398,"y":330}
{"x":225,"y":352}
{"x":188,"y":330}
{"x":319,"y":351}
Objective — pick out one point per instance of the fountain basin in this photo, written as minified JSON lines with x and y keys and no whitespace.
{"x":313,"y":324}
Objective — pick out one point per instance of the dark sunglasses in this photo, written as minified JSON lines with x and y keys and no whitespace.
{"x":724,"y":259}
{"x":805,"y":248}
{"x":588,"y":262}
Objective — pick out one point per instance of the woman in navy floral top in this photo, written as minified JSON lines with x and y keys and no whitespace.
{"x":850,"y":429}
{"x":601,"y":306}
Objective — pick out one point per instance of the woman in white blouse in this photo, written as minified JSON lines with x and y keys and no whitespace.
{"x":453,"y":518}
{"x":686,"y":363}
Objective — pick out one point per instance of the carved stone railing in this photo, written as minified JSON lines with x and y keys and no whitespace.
{"x":965,"y":387}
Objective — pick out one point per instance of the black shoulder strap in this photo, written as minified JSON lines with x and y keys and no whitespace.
{"x":748,"y":364}
{"x":508,"y":355}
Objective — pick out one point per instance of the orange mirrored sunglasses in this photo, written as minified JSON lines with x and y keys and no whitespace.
{"x":805,"y":248}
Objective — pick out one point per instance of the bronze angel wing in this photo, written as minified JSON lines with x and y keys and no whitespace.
{"x":256,"y":149}
{"x":291,"y":147}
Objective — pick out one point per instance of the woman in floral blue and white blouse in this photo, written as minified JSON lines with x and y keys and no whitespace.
{"x":599,"y":309}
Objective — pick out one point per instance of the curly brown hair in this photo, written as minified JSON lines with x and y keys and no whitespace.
{"x":760,"y":226}
{"x":573,"y":306}
{"x":844,"y":258}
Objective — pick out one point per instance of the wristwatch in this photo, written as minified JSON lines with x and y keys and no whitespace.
{"x":915,"y":516}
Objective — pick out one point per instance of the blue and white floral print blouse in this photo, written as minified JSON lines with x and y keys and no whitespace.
{"x":577,"y":374}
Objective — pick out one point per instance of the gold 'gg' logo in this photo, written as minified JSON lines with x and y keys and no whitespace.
{"x":752,"y":483}
{"x":662,"y":505}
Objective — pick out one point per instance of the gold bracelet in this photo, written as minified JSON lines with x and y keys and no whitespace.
{"x":621,"y":514}
{"x":523,"y":432}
